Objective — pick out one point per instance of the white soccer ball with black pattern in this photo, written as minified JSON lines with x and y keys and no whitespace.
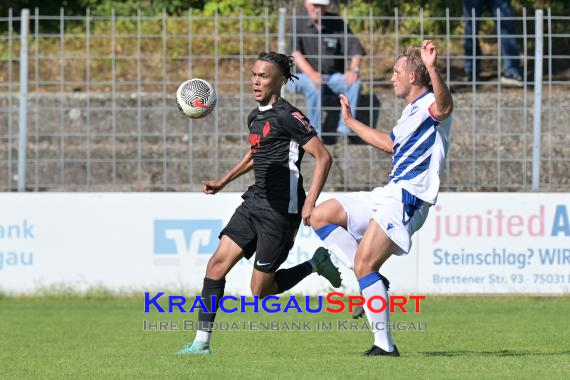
{"x":196,"y":98}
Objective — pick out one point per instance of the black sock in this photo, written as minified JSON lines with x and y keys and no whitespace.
{"x":211,"y":288}
{"x":287,"y":278}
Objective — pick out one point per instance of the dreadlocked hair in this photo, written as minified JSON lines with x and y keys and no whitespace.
{"x":284,"y":62}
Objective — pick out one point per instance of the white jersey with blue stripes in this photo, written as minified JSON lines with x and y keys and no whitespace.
{"x":420,"y":148}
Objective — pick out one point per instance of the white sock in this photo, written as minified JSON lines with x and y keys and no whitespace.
{"x":372,"y":285}
{"x":203,"y":336}
{"x":339,"y":242}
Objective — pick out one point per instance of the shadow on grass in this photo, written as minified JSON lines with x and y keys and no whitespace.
{"x":499,"y":353}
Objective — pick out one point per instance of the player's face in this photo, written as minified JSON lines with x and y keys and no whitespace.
{"x":401,"y":79}
{"x":266,"y":80}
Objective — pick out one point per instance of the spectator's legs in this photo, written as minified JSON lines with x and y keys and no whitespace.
{"x":337,"y":85}
{"x":313,"y":98}
{"x":469,"y":64}
{"x":509,"y":46}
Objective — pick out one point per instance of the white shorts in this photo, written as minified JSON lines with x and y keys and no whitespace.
{"x":384,"y":205}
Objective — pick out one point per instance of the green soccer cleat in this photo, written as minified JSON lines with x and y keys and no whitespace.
{"x":196,"y":348}
{"x":325,"y":267}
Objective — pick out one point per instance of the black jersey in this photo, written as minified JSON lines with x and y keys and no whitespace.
{"x":276,"y":137}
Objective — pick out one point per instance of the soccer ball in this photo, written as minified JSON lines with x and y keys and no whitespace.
{"x":196,"y":98}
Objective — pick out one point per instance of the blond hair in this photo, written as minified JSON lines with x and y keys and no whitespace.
{"x":414,"y":64}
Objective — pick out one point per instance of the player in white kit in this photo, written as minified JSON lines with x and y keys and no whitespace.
{"x":364,"y":229}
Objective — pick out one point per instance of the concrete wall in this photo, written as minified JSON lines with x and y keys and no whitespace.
{"x":155,"y":148}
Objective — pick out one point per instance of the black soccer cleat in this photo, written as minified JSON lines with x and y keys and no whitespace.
{"x":358,"y":312}
{"x":377,"y":351}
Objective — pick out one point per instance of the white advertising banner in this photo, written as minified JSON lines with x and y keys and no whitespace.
{"x":496,"y":243}
{"x":471,"y":243}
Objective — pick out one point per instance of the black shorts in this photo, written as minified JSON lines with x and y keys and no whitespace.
{"x":264,"y":231}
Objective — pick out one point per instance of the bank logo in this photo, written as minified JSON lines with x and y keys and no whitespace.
{"x":186,"y":236}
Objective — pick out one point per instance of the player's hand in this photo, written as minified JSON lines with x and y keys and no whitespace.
{"x":345,"y":108}
{"x":308,"y":208}
{"x":212,"y":186}
{"x":316,"y":78}
{"x":428,"y":53}
{"x":350,"y":77}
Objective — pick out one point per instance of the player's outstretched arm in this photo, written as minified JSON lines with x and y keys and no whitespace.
{"x":324,"y":162}
{"x":378,"y":139}
{"x":443,"y":105}
{"x":214,"y":185}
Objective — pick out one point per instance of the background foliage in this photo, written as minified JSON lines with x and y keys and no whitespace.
{"x":260,"y":16}
{"x":253,"y":7}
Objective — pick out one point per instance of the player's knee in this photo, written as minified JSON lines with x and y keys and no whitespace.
{"x":257,"y":290}
{"x":260,"y":289}
{"x":317,"y":218}
{"x":217,"y":268}
{"x":358,"y":269}
{"x":362,"y":268}
{"x":321,"y":216}
{"x":328,"y":212}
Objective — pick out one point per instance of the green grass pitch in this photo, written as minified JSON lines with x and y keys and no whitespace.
{"x":466,"y":337}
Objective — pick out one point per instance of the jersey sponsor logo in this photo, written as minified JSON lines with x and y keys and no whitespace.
{"x":299,"y":116}
{"x":260,"y":264}
{"x":389,"y":227}
{"x":183,"y":237}
{"x":266,"y":129}
{"x":254,"y":140}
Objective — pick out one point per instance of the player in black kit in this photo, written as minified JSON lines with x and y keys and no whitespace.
{"x":268,"y":219}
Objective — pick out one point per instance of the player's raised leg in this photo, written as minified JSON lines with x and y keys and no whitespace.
{"x":374,"y":249}
{"x":273,"y":247}
{"x":264,"y":284}
{"x":329,"y":220}
{"x":226,"y":256}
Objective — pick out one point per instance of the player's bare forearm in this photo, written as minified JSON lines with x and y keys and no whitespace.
{"x":242,"y":167}
{"x":320,"y":174}
{"x":378,"y":139}
{"x":322,"y":167}
{"x":443,"y":99}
